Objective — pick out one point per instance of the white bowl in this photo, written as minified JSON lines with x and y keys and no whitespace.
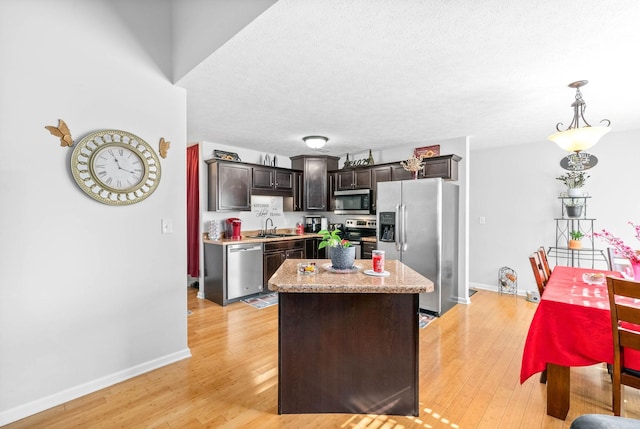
{"x":594,"y":278}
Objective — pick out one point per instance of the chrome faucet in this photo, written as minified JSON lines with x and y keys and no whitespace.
{"x":273,"y":228}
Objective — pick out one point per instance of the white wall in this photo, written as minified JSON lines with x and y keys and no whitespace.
{"x":90,"y":294}
{"x":515,"y":189}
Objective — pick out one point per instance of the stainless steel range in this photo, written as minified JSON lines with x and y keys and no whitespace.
{"x":355,"y":229}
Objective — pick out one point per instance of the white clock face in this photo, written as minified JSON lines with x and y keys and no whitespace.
{"x":115,"y":167}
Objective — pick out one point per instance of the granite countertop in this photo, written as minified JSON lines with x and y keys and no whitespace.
{"x":401,"y":279}
{"x":247,"y":239}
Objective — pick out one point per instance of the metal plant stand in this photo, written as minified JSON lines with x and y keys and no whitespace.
{"x":588,"y":255}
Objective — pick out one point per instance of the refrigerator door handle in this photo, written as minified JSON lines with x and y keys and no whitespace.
{"x":404,"y":227}
{"x":398,"y":228}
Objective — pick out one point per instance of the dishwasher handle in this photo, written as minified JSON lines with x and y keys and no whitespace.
{"x":242,"y":248}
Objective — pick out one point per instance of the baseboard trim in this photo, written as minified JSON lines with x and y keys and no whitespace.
{"x":493,"y":288}
{"x":28,"y":409}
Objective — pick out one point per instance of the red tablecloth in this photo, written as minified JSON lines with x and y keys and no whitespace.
{"x":572,"y":325}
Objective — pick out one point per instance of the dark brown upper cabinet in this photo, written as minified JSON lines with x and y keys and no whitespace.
{"x":229,"y":186}
{"x":357,"y":178}
{"x":315,"y":170}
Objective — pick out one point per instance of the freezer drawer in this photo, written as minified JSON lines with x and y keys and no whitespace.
{"x":244,"y":270}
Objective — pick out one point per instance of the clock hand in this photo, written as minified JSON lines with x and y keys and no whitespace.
{"x":120,"y":168}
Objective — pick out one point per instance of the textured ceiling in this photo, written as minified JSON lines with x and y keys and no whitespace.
{"x":380,"y":73}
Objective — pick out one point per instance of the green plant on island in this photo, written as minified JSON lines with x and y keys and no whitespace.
{"x":574,"y":179}
{"x":332,"y":239}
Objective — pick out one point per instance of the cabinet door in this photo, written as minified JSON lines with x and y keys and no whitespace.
{"x":399,"y":173}
{"x":262,"y":178}
{"x":331,"y":188}
{"x":344,"y":180}
{"x":315,"y":184}
{"x":362,"y":178}
{"x":298,"y":192}
{"x":367,"y":249}
{"x":283,"y":180}
{"x":295,"y":254}
{"x":442,"y":166}
{"x":272,"y":262}
{"x":234,"y":187}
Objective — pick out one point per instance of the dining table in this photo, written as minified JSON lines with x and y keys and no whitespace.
{"x":571,"y":327}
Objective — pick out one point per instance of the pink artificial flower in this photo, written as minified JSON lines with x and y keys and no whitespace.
{"x":620,"y":248}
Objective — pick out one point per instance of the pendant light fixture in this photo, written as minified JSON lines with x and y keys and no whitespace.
{"x":577,"y":138}
{"x":315,"y":142}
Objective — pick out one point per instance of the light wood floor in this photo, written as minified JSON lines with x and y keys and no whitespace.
{"x":469,"y":372}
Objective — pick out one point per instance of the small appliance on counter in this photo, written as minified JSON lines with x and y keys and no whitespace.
{"x":233,"y":228}
{"x":312,"y":223}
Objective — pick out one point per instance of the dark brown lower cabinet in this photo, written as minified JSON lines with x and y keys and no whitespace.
{"x":275,"y":253}
{"x":367,"y":248}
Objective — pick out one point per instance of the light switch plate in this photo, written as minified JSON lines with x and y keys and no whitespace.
{"x":166,"y":226}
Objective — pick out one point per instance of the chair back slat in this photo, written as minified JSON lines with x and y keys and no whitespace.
{"x":544,"y":260}
{"x":538,"y":272}
{"x":623,"y":313}
{"x":629,"y":339}
{"x":628,"y":314}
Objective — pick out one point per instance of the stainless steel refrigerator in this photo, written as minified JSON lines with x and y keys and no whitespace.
{"x":418,"y":225}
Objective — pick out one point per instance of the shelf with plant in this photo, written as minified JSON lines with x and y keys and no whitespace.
{"x":575,"y":237}
{"x":574,"y":180}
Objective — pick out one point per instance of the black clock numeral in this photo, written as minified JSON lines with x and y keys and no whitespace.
{"x":102,"y":173}
{"x":119,"y":184}
{"x":121,"y":151}
{"x":109,"y":180}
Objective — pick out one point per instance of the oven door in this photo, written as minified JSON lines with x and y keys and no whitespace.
{"x":357,"y":201}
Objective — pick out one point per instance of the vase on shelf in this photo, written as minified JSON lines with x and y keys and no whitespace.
{"x":342,"y":258}
{"x":574,"y":211}
{"x":414,"y":175}
{"x":574,"y":192}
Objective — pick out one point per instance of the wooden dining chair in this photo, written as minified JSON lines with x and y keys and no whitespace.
{"x":545,"y":262}
{"x":538,"y":272}
{"x":623,"y":338}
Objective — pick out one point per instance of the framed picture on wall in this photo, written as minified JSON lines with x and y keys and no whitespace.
{"x":426,"y":151}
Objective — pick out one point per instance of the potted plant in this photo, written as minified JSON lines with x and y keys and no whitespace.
{"x":341,"y":252}
{"x":573,"y":207}
{"x":574,"y":181}
{"x":574,"y":242}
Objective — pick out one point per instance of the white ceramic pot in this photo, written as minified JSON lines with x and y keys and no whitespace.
{"x":574,"y":192}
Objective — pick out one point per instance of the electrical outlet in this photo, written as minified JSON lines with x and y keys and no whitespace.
{"x":482,"y":220}
{"x":166,"y":226}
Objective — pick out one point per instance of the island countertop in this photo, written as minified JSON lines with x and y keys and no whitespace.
{"x":401,"y":279}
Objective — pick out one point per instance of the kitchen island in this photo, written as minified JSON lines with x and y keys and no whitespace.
{"x":348,"y":343}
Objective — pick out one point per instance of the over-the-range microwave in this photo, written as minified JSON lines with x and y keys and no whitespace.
{"x":356,"y":201}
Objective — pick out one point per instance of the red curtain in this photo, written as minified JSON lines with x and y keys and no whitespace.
{"x":193,"y":211}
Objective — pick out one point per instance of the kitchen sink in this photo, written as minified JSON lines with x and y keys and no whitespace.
{"x":271,"y":235}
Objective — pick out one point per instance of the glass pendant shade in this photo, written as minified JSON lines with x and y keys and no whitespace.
{"x":579,"y":139}
{"x":315,"y":142}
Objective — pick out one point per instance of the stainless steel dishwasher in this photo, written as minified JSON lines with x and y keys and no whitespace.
{"x":244,"y":269}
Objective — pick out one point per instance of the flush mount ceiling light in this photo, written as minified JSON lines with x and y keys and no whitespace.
{"x":577,"y":138}
{"x":315,"y":142}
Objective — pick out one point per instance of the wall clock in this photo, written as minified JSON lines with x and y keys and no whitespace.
{"x":115,"y":167}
